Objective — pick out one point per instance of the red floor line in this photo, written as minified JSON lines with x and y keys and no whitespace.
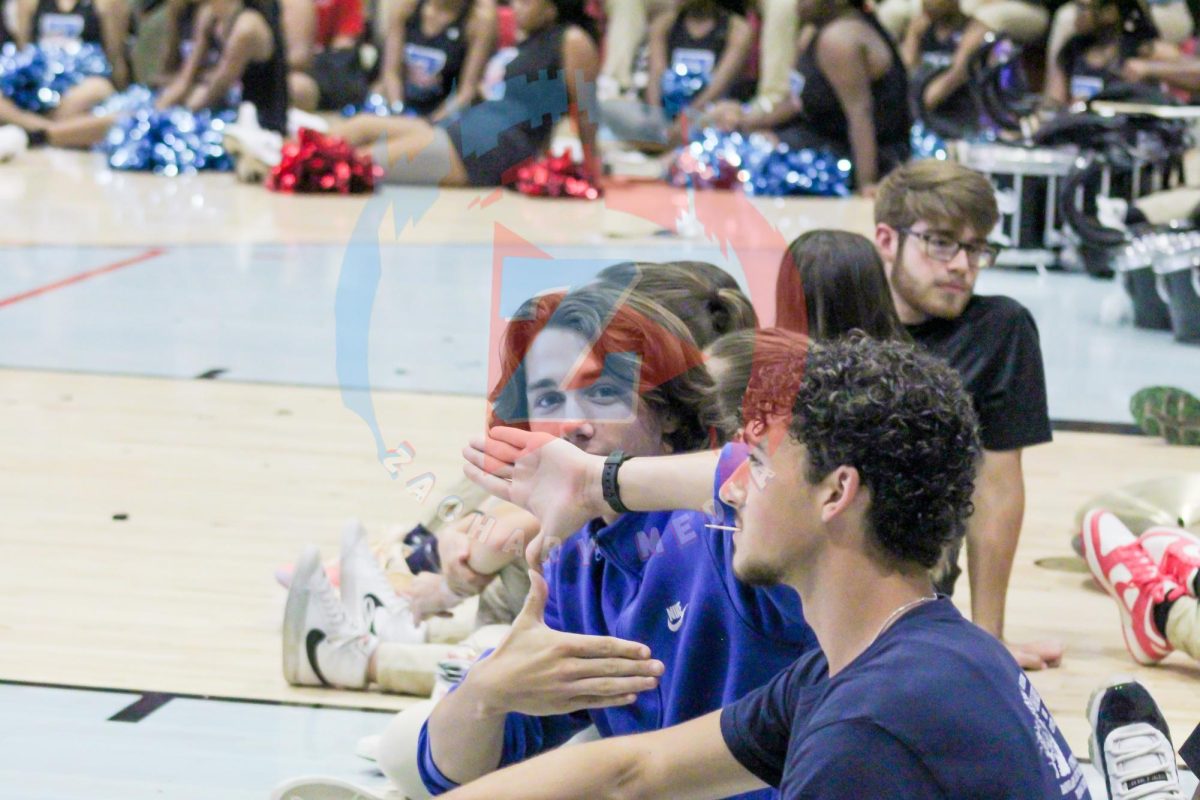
{"x":154,"y":252}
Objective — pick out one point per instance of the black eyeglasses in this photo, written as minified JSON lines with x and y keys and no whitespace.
{"x":941,"y":247}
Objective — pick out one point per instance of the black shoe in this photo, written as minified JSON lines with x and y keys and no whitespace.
{"x":1131,"y":744}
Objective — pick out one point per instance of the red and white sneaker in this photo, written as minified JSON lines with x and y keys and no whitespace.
{"x":1176,"y":553}
{"x":1129,"y":574}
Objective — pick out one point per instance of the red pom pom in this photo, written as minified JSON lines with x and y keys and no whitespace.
{"x":701,"y":171}
{"x":319,"y":163}
{"x":556,"y":176}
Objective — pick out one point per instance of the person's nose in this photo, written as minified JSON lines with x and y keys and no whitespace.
{"x":733,"y":491}
{"x":578,"y":432}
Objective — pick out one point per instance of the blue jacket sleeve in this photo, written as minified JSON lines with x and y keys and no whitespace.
{"x":524,"y":736}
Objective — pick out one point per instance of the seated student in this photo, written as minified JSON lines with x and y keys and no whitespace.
{"x":1019,"y":20}
{"x":708,"y":301}
{"x":322,"y":42}
{"x":1172,"y":18}
{"x":1154,"y":579}
{"x":435,"y":52}
{"x":249,"y":37}
{"x":929,"y":47}
{"x":1023,"y":21}
{"x":1108,"y":33}
{"x":849,"y":93}
{"x":58,"y":23}
{"x":524,"y":88}
{"x":623,"y":636}
{"x":932,"y":219}
{"x":700,"y":36}
{"x":862,"y":474}
{"x":48,"y":23}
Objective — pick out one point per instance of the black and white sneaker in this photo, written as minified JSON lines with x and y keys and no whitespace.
{"x":322,"y":644}
{"x":1131,"y":744}
{"x":367,"y":592}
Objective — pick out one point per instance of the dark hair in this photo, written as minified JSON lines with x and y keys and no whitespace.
{"x":833,"y":282}
{"x":639,"y":341}
{"x":704,"y":297}
{"x":760,"y":370}
{"x":901,"y":418}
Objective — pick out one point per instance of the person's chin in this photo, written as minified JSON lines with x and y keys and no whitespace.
{"x":753,"y":573}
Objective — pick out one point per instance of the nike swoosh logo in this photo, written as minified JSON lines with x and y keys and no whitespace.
{"x":311,"y":643}
{"x":371,"y":604}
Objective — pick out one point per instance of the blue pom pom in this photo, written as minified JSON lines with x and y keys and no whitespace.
{"x":680,"y":84}
{"x":36,"y":78}
{"x":762,"y":167}
{"x":171,"y":142}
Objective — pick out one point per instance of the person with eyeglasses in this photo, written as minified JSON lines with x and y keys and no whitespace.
{"x":932,"y":219}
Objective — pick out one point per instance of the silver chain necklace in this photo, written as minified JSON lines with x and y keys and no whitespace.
{"x":899,"y":612}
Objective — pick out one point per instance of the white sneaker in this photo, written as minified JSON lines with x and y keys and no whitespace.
{"x":322,"y":645}
{"x":13,"y":142}
{"x":1130,"y":743}
{"x":324,"y":788}
{"x":255,"y":151}
{"x":298,"y":119}
{"x":367,"y":592}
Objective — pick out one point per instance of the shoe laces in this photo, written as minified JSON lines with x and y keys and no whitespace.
{"x":1136,"y":752}
{"x":1146,"y":574}
{"x":332,"y":606}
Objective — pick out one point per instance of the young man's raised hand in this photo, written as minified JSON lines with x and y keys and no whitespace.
{"x":540,"y":671}
{"x":550,"y":478}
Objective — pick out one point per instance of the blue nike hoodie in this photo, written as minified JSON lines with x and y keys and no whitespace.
{"x":663,"y":579}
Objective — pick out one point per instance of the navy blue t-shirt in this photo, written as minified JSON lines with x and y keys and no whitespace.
{"x":934,"y":708}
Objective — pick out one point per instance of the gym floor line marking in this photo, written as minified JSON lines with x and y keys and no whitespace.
{"x":141,"y":708}
{"x":152,"y":253}
{"x":253,"y":701}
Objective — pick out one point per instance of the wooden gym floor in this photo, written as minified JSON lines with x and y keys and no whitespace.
{"x":153,"y":476}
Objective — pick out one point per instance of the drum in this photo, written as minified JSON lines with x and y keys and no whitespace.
{"x":1177,"y":274}
{"x":1027,"y":181}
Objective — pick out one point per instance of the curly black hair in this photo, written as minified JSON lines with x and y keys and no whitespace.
{"x":902,"y":419}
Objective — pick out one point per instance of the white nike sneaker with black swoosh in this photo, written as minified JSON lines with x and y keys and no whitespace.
{"x":368,"y":594}
{"x":322,"y":644}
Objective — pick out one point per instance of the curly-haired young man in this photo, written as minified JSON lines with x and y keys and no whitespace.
{"x":862,"y":472}
{"x":932,"y":220}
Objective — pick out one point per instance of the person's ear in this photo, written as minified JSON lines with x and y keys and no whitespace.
{"x":887,"y":243}
{"x":841,"y":489}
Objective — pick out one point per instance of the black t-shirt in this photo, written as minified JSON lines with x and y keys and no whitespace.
{"x":995,"y":349}
{"x":934,"y":709}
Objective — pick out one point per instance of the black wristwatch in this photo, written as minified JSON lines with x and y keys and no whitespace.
{"x":608,"y":481}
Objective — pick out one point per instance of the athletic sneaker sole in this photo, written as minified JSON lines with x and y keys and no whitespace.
{"x":293,"y":614}
{"x":1169,"y":412}
{"x":323,"y":788}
